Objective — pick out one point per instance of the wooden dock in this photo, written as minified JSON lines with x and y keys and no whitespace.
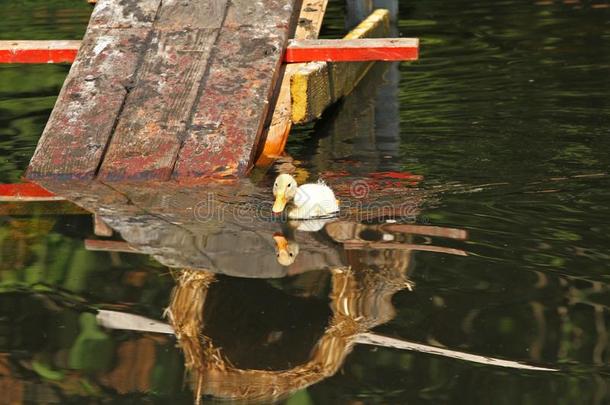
{"x":193,"y":90}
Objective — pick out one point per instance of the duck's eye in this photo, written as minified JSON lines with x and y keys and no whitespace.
{"x":291,"y":254}
{"x":277,"y":254}
{"x":289,"y":184}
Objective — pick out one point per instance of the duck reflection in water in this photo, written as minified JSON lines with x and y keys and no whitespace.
{"x":285,"y":241}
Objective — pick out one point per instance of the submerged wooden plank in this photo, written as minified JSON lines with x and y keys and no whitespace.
{"x":156,"y":113}
{"x":308,"y":27}
{"x":38,"y":51}
{"x":352,"y":50}
{"x":92,"y":96}
{"x":320,"y":84}
{"x":230,"y":113}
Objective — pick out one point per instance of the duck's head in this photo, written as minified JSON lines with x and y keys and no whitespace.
{"x":284,"y":190}
{"x":286,"y":251}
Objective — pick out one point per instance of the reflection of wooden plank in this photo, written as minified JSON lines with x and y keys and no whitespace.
{"x":100,"y":228}
{"x":26,"y":192}
{"x":80,"y":125}
{"x":156,"y":113}
{"x":310,"y":22}
{"x":125,"y":321}
{"x":109,"y":246}
{"x":383,"y":341}
{"x":38,"y":51}
{"x":320,"y":84}
{"x":230,"y":114}
{"x":361,"y":244}
{"x":352,"y":50}
{"x":452,"y":233}
{"x":14,"y":209}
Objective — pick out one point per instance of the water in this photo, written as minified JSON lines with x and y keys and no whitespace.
{"x":500,"y":133}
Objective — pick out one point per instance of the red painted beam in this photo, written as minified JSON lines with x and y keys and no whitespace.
{"x":38,"y":51}
{"x":352,"y":50}
{"x":26,"y":192}
{"x":298,"y":51}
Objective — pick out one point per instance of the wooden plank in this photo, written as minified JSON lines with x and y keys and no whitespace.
{"x":21,"y":192}
{"x":100,"y":228}
{"x":384,"y":341}
{"x":148,"y":135}
{"x":308,"y":27}
{"x":38,"y":51}
{"x":357,"y":244}
{"x":230,"y":114}
{"x":297,"y":51}
{"x":31,"y":208}
{"x":111,"y":14}
{"x":92,"y":96}
{"x":320,"y":84}
{"x":439,"y":231}
{"x":352,"y":50}
{"x":97,"y":245}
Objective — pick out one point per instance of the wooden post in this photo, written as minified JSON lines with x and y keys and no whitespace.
{"x":319,"y":84}
{"x":357,"y":11}
{"x":310,"y":22}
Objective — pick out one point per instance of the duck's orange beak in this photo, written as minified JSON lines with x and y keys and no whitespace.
{"x":280,"y":202}
{"x":280,"y":241}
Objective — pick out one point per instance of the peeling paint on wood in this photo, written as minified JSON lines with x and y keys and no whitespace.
{"x":78,"y":130}
{"x":157,"y":111}
{"x":80,"y":125}
{"x":158,"y":81}
{"x":228,"y":121}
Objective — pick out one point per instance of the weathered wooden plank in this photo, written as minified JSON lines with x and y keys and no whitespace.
{"x":148,"y":136}
{"x":178,"y":15}
{"x":38,"y":51}
{"x":79,"y":127}
{"x":320,"y":84}
{"x":109,"y":14}
{"x":230,"y":114}
{"x":308,"y":27}
{"x":352,"y":50}
{"x":311,"y":92}
{"x":92,"y":96}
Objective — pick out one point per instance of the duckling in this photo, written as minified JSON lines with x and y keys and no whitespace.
{"x":312,"y":200}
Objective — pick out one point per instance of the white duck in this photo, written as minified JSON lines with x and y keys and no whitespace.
{"x":312,"y":200}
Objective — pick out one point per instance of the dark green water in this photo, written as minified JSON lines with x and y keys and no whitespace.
{"x":506,"y":119}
